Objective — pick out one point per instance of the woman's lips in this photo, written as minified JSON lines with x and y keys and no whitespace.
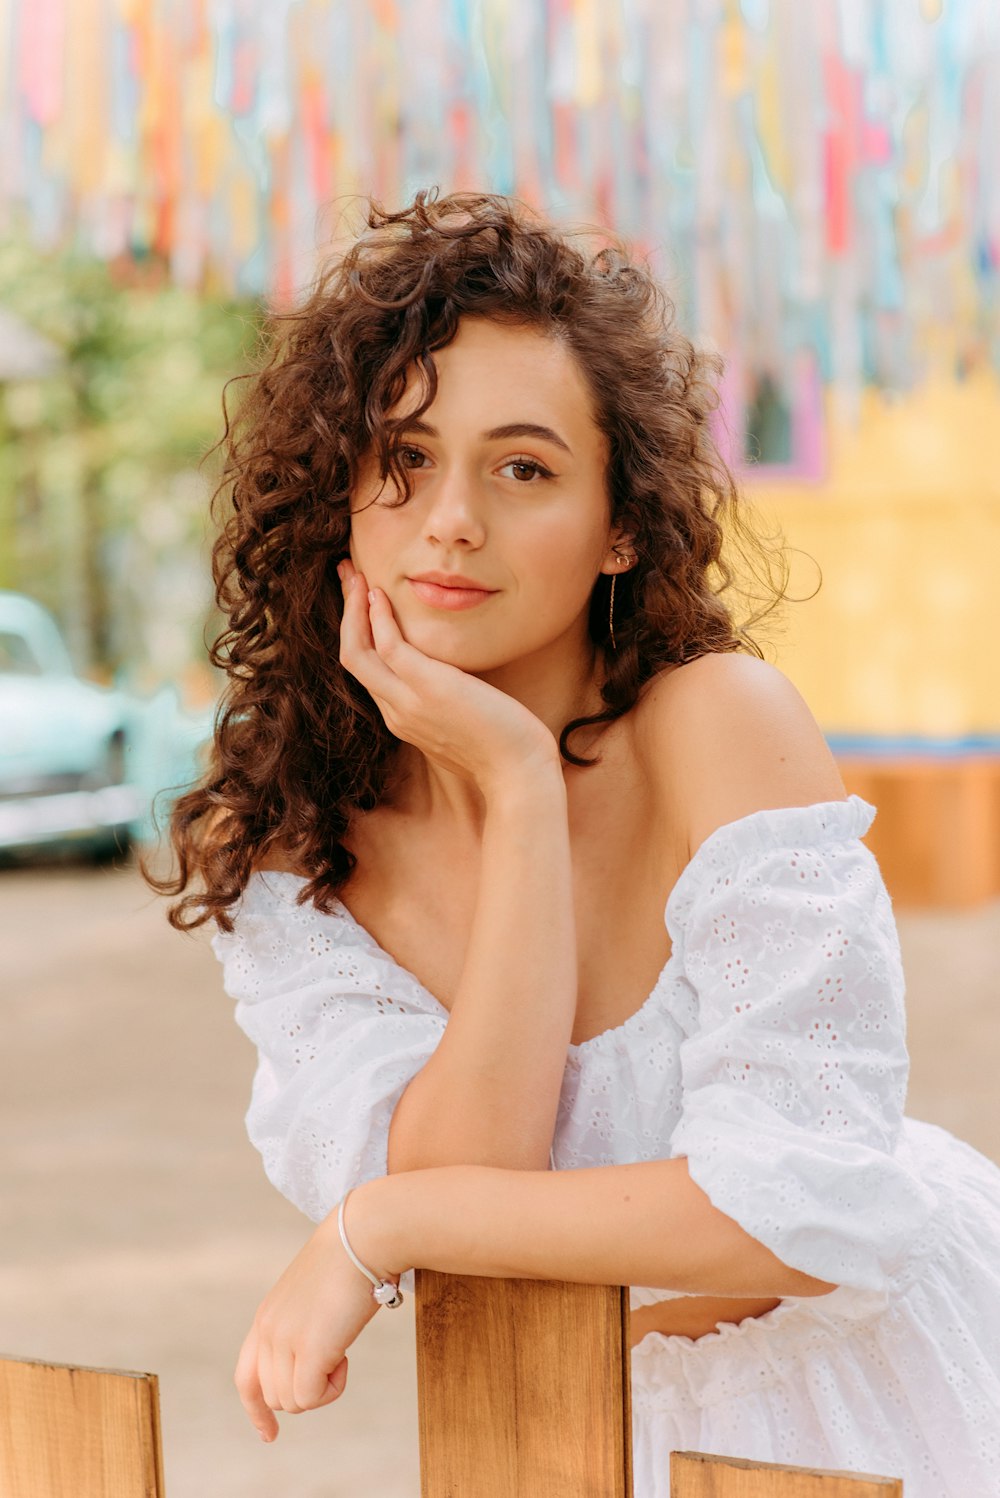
{"x":438,"y":596}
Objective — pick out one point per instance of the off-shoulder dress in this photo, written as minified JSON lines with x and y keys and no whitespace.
{"x":771,"y":1054}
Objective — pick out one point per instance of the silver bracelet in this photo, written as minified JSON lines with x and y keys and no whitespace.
{"x":385,"y":1292}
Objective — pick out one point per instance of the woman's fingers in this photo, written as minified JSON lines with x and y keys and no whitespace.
{"x":388,"y":638}
{"x":265,"y":1375}
{"x":313,"y":1387}
{"x":373,"y":650}
{"x":247,"y":1381}
{"x":357,"y":646}
{"x":268,"y":1379}
{"x":283,"y":1366}
{"x":371,"y":623}
{"x":355,"y":633}
{"x":335,"y":1385}
{"x":337,"y":1381}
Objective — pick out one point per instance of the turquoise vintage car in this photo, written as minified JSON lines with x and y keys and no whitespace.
{"x":64,"y":743}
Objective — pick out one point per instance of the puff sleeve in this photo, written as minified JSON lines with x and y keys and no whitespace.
{"x":794,"y":1079}
{"x":340,"y":1031}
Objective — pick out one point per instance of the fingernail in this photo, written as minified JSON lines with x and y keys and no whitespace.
{"x":371,"y":595}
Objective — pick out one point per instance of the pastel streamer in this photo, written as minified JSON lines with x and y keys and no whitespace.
{"x":820,"y":177}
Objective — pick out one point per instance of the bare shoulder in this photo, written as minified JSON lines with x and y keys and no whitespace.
{"x":727,"y":735}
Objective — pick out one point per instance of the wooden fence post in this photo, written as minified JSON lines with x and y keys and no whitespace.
{"x":70,"y":1432}
{"x":693,"y":1474}
{"x":522,"y":1388}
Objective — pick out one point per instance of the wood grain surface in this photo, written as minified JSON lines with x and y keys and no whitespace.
{"x":694,"y":1474}
{"x":70,"y":1432}
{"x":522,"y":1389}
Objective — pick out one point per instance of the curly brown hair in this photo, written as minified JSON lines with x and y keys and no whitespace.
{"x":299,"y":744}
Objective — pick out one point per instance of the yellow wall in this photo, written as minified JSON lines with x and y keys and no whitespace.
{"x":904,"y":635}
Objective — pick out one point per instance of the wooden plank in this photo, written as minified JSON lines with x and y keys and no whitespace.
{"x":695,"y":1474}
{"x":69,"y":1432}
{"x":522,"y":1388}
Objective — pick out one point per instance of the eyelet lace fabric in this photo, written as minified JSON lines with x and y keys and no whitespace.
{"x":794,"y":1078}
{"x":339,"y":1029}
{"x":771,"y":1054}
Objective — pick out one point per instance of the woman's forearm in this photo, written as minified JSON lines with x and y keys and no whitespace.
{"x":643,"y":1224}
{"x":489,"y":1093}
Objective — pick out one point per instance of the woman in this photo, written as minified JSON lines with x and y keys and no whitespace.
{"x":490,"y":713}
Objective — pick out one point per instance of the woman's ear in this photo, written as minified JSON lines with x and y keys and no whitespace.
{"x":620,"y":555}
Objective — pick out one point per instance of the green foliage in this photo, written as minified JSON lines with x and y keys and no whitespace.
{"x":103,"y":464}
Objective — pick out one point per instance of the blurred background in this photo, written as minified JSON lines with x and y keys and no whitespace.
{"x":818,"y":186}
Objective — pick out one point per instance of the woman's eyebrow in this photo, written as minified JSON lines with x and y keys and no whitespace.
{"x":526,"y":429}
{"x":499,"y":434}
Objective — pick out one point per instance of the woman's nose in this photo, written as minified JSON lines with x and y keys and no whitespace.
{"x":454,"y":513}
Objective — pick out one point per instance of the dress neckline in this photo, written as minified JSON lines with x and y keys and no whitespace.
{"x":678,"y":901}
{"x":608,"y":1036}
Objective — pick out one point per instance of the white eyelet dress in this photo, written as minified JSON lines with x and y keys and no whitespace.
{"x":771,"y":1054}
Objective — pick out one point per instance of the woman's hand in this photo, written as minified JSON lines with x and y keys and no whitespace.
{"x":295,"y":1355}
{"x":461,"y":723}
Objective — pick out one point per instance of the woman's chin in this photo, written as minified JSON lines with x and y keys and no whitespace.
{"x":476,"y":662}
{"x":454,"y":647}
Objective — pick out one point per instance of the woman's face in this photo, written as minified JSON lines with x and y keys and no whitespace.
{"x":494,"y":558}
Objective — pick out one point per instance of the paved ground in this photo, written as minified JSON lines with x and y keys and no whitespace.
{"x":139,"y":1230}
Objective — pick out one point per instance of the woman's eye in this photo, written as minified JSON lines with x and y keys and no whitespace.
{"x":526,"y":470}
{"x":406,"y":453}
